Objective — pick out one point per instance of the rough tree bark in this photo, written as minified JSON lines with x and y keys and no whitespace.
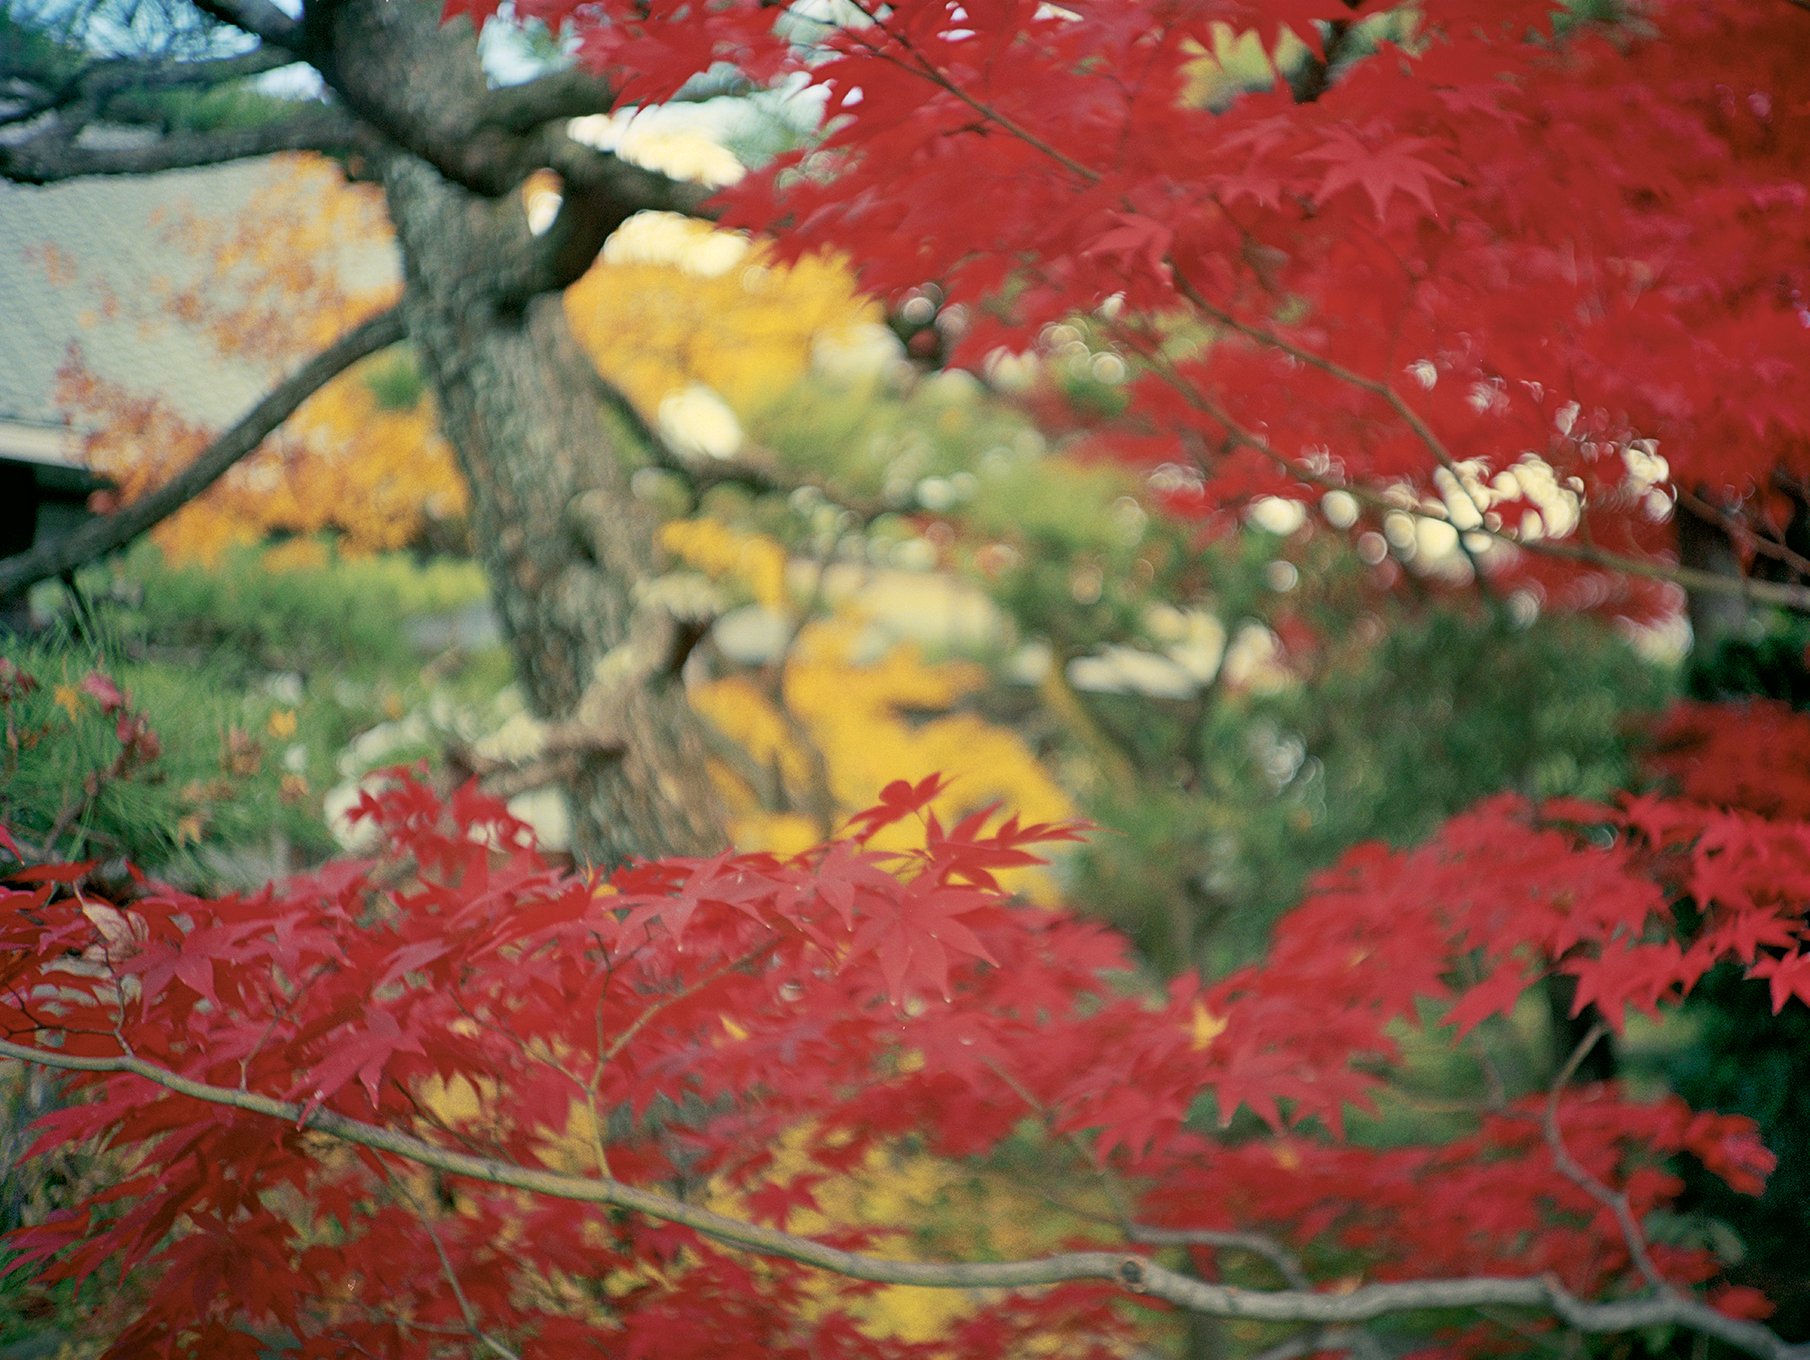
{"x":568,"y":549}
{"x":565,"y":543}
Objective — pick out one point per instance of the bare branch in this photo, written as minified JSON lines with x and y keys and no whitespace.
{"x":101,"y":80}
{"x":53,"y":154}
{"x":1741,"y":532}
{"x":598,"y":193}
{"x":100,"y":536}
{"x":358,"y":46}
{"x":1579,"y":1175}
{"x":260,"y":18}
{"x":1129,"y":1271}
{"x":552,"y":98}
{"x":1285,"y":1262}
{"x":573,"y":92}
{"x":761,"y":475}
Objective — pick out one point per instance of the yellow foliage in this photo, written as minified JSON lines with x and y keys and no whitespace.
{"x":676,"y":303}
{"x":859,"y":718}
{"x":1204,"y":1027}
{"x":923,"y":1196}
{"x":373,"y":476}
{"x":673,"y":304}
{"x":723,"y":553}
{"x":455,"y":1101}
{"x":280,"y":282}
{"x":67,"y":699}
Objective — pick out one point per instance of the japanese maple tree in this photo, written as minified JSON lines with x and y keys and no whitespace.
{"x":356,"y":1113}
{"x":1538,"y":282}
{"x":1487,"y":264}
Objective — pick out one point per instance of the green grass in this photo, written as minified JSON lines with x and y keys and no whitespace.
{"x":255,"y":679}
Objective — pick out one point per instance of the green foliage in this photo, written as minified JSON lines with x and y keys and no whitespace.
{"x":1412,"y":719}
{"x":874,"y":441}
{"x":214,"y":109}
{"x":1744,"y":1059}
{"x":396,"y":380}
{"x":1768,"y":661}
{"x":205,"y":789}
{"x":1217,"y":808}
{"x":253,"y":679}
{"x":337,"y":616}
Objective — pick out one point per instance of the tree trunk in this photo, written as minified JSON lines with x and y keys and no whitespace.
{"x":1715,"y":616}
{"x":564,"y":541}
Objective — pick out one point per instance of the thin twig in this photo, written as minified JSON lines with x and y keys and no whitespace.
{"x":1786,"y":596}
{"x":466,"y":1310}
{"x":1742,"y":532}
{"x":1575,"y":1171}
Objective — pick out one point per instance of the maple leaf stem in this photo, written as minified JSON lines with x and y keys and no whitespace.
{"x":640,"y":1022}
{"x":1135,"y":1273}
{"x":1110,"y":1184}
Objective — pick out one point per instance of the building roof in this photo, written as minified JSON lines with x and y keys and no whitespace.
{"x":65,"y":247}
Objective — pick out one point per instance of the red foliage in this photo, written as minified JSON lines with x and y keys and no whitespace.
{"x":696,"y":1016}
{"x":1753,"y":756}
{"x":1481,"y":243}
{"x":1544,"y":256}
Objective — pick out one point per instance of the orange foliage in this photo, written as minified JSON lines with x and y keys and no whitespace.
{"x":361,"y":459}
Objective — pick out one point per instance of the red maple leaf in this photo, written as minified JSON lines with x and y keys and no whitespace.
{"x":1381,"y":172}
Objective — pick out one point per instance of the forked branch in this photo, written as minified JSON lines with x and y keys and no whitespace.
{"x":52,"y":155}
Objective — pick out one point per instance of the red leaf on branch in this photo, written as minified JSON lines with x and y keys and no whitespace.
{"x":1396,"y":167}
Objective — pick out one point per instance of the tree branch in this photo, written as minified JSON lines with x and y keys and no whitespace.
{"x":1284,"y":1261}
{"x":552,"y":98}
{"x":1574,"y":1171}
{"x":260,"y":18}
{"x":360,"y":49}
{"x":760,"y":477}
{"x":53,"y":155}
{"x":1134,"y":1273}
{"x":1782,"y":594}
{"x":99,"y":81}
{"x":1741,"y":532}
{"x":598,"y":193}
{"x":100,"y":536}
